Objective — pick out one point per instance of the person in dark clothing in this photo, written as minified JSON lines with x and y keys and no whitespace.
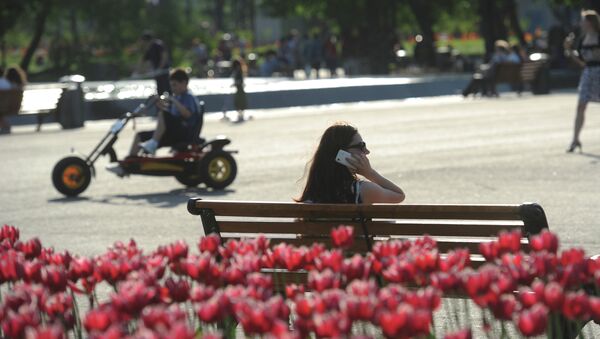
{"x":155,"y":61}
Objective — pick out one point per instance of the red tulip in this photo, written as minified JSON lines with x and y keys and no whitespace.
{"x":342,"y":236}
{"x":545,"y":241}
{"x":533,"y":321}
{"x":505,"y":307}
{"x":14,"y":324}
{"x":330,"y":259}
{"x":444,"y":281}
{"x":362,"y":288}
{"x":32,"y":271}
{"x":31,"y":248}
{"x":331,"y":325}
{"x":456,"y":259}
{"x":210,"y":243}
{"x":57,"y":304}
{"x":80,"y":267}
{"x":156,"y":265}
{"x":181,"y":330}
{"x":213,"y":309}
{"x":177,"y":250}
{"x":11,"y":266}
{"x":509,"y":242}
{"x":528,"y":297}
{"x":158,"y":317}
{"x":55,"y":278}
{"x":53,"y":331}
{"x":321,"y":281}
{"x":554,"y":296}
{"x":133,"y":296}
{"x":9,"y":233}
{"x":292,"y":290}
{"x":356,"y":268}
{"x":576,"y":306}
{"x":594,"y":307}
{"x":178,"y":291}
{"x":462,"y":334}
{"x":400,"y":271}
{"x":394,"y":322}
{"x":359,"y":308}
{"x":489,"y":250}
{"x":201,"y":292}
{"x":99,"y":319}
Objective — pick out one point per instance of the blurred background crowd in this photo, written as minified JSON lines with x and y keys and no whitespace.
{"x":292,"y":38}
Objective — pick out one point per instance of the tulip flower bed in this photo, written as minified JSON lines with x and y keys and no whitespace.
{"x":393,"y":291}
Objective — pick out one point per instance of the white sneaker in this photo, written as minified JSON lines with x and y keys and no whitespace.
{"x":149,"y":146}
{"x":116,"y":169}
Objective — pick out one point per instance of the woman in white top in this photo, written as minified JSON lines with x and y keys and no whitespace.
{"x":331,"y":182}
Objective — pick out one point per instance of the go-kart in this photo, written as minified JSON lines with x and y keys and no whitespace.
{"x":191,"y":164}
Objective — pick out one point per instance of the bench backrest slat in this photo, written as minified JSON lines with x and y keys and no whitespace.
{"x":376,"y":228}
{"x":303,"y":210}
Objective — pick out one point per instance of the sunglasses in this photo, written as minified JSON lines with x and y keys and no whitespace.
{"x":361,"y":146}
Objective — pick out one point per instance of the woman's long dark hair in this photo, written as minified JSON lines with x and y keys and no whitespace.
{"x":328,"y":181}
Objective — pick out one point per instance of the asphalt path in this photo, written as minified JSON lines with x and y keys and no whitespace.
{"x":439,"y":150}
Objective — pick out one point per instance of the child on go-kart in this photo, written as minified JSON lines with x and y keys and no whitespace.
{"x":179,"y":121}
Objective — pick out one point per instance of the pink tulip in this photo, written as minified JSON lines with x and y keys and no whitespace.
{"x":342,"y":236}
{"x":210,"y":243}
{"x":533,"y":321}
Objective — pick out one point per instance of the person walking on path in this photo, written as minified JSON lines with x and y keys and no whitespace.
{"x":331,"y":182}
{"x":240,"y":100}
{"x":155,"y":61}
{"x":586,"y":55}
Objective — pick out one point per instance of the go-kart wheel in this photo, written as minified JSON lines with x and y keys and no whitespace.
{"x":218,"y":169}
{"x":71,"y":176}
{"x":190,"y":180}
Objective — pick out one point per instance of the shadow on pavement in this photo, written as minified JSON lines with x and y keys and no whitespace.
{"x":596,"y":157}
{"x":163,"y":200}
{"x":69,"y":199}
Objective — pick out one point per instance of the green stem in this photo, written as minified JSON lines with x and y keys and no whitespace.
{"x":77,"y":317}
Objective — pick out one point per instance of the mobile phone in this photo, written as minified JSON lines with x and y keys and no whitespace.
{"x":342,"y":158}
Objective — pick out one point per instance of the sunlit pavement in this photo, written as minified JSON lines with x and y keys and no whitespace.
{"x":439,"y":150}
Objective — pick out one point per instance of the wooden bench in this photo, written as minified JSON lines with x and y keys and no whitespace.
{"x":518,"y":75}
{"x":41,"y":101}
{"x":452,"y":226}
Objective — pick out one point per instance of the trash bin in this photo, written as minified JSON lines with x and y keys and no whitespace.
{"x":71,"y":105}
{"x":541,"y":81}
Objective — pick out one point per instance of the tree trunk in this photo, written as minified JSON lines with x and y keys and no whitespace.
{"x":492,"y":25}
{"x":380,"y":35}
{"x":423,"y":14}
{"x":219,"y":9}
{"x":40,"y":24}
{"x":512,"y":13}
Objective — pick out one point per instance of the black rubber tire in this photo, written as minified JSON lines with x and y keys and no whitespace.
{"x":190,"y":180}
{"x":71,"y":176}
{"x":218,"y":169}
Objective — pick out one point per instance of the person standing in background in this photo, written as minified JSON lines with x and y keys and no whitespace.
{"x":587,"y":55}
{"x":155,"y":61}
{"x":240,"y":101}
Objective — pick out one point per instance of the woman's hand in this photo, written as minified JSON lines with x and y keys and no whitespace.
{"x":360,"y":165}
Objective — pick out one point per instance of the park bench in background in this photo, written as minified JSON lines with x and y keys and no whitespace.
{"x":531,"y":73}
{"x":41,"y":101}
{"x":452,"y":226}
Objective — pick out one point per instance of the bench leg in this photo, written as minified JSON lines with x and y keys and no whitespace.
{"x":40,"y":120}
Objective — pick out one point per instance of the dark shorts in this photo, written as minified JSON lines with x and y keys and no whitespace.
{"x":175,"y":132}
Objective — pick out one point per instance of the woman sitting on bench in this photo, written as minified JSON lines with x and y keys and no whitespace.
{"x":331,"y":182}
